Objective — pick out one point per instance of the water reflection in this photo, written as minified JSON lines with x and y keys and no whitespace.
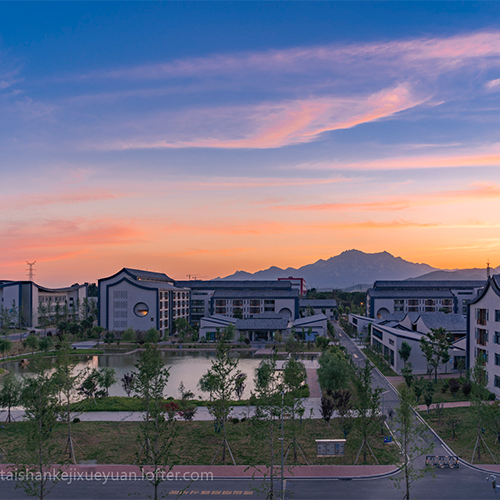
{"x":185,"y":367}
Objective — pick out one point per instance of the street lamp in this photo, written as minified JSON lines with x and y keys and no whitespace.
{"x":282,"y":440}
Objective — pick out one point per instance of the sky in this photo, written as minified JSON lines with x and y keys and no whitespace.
{"x":201,"y":138}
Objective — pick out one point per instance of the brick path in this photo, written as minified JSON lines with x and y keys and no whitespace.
{"x":312,"y":382}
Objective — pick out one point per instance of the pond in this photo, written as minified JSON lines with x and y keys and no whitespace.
{"x":184,"y":367}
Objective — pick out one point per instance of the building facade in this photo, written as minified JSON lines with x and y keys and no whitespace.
{"x":483,"y":331}
{"x":141,"y":300}
{"x":387,"y":297}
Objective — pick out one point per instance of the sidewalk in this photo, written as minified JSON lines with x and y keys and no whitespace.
{"x":226,"y":471}
{"x":451,"y":404}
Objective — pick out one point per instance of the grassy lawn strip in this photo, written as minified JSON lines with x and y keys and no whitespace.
{"x":196,"y":444}
{"x":439,"y":396}
{"x":465,"y":433}
{"x":76,"y":352}
{"x":379,"y":363}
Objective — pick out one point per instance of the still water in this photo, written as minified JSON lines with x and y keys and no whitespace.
{"x":184,"y":367}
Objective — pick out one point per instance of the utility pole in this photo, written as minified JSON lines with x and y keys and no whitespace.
{"x":31,"y":273}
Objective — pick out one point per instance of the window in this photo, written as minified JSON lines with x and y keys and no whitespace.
{"x":497,"y":381}
{"x":497,"y":315}
{"x":483,"y":353}
{"x":391,"y":342}
{"x":413,"y":302}
{"x":254,"y":310}
{"x":238,"y":303}
{"x":481,"y":336}
{"x":413,"y":309}
{"x":482,"y":316}
{"x":446,"y":302}
{"x":220,"y":302}
{"x":430,"y":302}
{"x":255,"y":303}
{"x":497,"y":359}
{"x":430,"y":309}
{"x":496,"y":340}
{"x":377,"y":333}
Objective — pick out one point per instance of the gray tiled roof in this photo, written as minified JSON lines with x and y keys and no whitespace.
{"x":434,"y":285}
{"x":309,"y":319}
{"x":147,"y":275}
{"x":257,"y":294}
{"x":324,"y":303}
{"x":410,"y":294}
{"x":450,"y":322}
{"x":263,"y":322}
{"x":231,"y":285}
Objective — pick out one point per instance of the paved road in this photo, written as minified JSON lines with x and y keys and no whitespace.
{"x":448,"y":484}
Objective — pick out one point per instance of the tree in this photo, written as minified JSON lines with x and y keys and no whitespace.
{"x":90,"y":386}
{"x":269,"y":389}
{"x":492,"y":418}
{"x":152,"y":336}
{"x":334,"y":370}
{"x":240,"y":384}
{"x":294,"y":377}
{"x":343,"y":405}
{"x":128,"y":335}
{"x":460,"y":365}
{"x":158,"y":428}
{"x":45,"y":344}
{"x":67,"y":382}
{"x":182,"y":328}
{"x":41,"y":408}
{"x":419,"y":387}
{"x":10,"y":392}
{"x":407,"y":372}
{"x":5,"y":346}
{"x":293,"y":346}
{"x":454,"y":386}
{"x":128,"y":383}
{"x":428,"y":394}
{"x":412,"y":444}
{"x":405,"y":352}
{"x":43,"y":316}
{"x":367,"y":406}
{"x":31,"y":341}
{"x":5,"y":319}
{"x":107,"y":378}
{"x":322,"y":342}
{"x":221,"y":378}
{"x":326,"y":409}
{"x":435,"y":348}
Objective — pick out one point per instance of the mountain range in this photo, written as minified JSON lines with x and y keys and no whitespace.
{"x":348,"y":269}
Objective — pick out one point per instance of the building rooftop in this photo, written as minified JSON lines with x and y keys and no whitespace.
{"x":427,"y":285}
{"x":231,"y":285}
{"x":257,"y":294}
{"x":410,"y":293}
{"x":141,"y":275}
{"x":263,"y":321}
{"x":309,"y":320}
{"x":325,"y":303}
{"x":450,"y":322}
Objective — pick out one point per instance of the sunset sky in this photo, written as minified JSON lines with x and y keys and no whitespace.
{"x":203,"y":138}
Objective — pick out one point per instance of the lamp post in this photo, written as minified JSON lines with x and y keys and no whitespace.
{"x":282,"y":440}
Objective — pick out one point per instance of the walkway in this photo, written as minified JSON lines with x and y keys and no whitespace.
{"x":451,"y":404}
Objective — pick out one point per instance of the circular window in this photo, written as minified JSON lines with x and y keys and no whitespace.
{"x":141,"y":309}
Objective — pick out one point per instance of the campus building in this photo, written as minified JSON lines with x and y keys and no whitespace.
{"x":202,"y":293}
{"x":28,"y":303}
{"x":328,"y":307}
{"x":483,"y":331}
{"x":141,"y":300}
{"x":386,"y":297}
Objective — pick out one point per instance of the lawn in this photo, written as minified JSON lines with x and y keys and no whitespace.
{"x":197,"y":442}
{"x":379,"y":363}
{"x":439,"y":396}
{"x":466,"y":433}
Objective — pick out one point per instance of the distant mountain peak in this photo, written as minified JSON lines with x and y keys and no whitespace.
{"x":349,"y":268}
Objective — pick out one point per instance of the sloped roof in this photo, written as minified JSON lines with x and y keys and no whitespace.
{"x":428,"y":285}
{"x":263,"y":321}
{"x":450,"y":322}
{"x":139,"y":274}
{"x":494,"y":283}
{"x":258,"y":294}
{"x":324,"y":303}
{"x":231,"y":285}
{"x":309,"y":320}
{"x":410,"y":293}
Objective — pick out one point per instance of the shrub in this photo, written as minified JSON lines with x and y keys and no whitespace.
{"x":491,"y":396}
{"x":445,"y":386}
{"x":454,"y":386}
{"x":152,"y":336}
{"x":235,"y":420}
{"x":466,"y":388}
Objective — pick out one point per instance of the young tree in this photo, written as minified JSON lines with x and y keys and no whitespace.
{"x":419,"y":387}
{"x":128,"y":383}
{"x":367,"y":406}
{"x":294,"y":377}
{"x":492,"y":418}
{"x":158,"y":429}
{"x":334,"y":370}
{"x":10,"y":393}
{"x":67,"y":380}
{"x":293,"y":346}
{"x":412,"y":444}
{"x":322,"y":342}
{"x":45,"y":344}
{"x":454,"y":386}
{"x":435,"y":348}
{"x":405,"y":352}
{"x":326,"y":409}
{"x":5,"y":346}
{"x":269,"y":390}
{"x":152,"y":336}
{"x":107,"y":378}
{"x":343,"y":405}
{"x":460,"y":366}
{"x":41,"y":409}
{"x":407,"y":372}
{"x":222,"y":377}
{"x":43,"y":316}
{"x":31,"y":341}
{"x":90,"y":386}
{"x":128,"y":335}
{"x":240,"y":384}
{"x":428,"y":394}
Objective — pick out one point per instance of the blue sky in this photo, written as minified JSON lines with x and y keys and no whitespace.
{"x":205,"y":137}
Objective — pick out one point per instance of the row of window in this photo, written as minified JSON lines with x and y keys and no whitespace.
{"x":483,"y":315}
{"x":239,"y":302}
{"x":427,"y":302}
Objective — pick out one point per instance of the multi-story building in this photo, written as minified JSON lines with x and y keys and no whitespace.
{"x":247,"y":303}
{"x":483,"y":331}
{"x":328,"y":307}
{"x":297,"y":284}
{"x":388,"y":297}
{"x":141,"y":300}
{"x":202,"y":293}
{"x":31,"y":302}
